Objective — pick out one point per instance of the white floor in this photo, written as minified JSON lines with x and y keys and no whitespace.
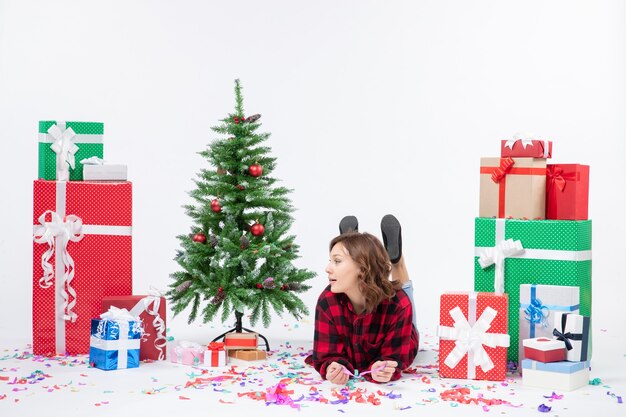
{"x":32,"y":386}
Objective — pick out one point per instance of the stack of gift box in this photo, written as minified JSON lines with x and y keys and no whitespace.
{"x":239,"y":345}
{"x":82,"y":255}
{"x":82,"y":263}
{"x":532,"y":274}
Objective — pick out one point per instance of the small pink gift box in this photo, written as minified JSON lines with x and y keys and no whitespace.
{"x":544,"y":350}
{"x":186,"y":353}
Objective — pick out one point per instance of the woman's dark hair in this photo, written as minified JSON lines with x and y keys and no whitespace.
{"x":369,"y":254}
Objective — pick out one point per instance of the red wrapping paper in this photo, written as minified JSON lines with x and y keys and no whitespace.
{"x":534,"y":149}
{"x":102,"y":260}
{"x":150,"y":347}
{"x":498,"y":302}
{"x":567,"y":192}
{"x":241,"y":340}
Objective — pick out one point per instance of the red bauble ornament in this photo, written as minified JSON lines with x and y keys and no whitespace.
{"x":259,"y":286}
{"x":241,"y":187}
{"x":220,"y":289}
{"x":257,"y":229}
{"x":283,"y":287}
{"x":255,"y":170}
{"x":215,"y":206}
{"x":199,"y":237}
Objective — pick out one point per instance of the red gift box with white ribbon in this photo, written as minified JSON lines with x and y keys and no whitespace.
{"x":473,"y":337}
{"x":526,"y":146}
{"x":82,"y":252}
{"x":151,"y":311}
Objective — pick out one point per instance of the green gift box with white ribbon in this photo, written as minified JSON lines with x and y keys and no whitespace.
{"x":511,"y":252}
{"x":62,"y":145}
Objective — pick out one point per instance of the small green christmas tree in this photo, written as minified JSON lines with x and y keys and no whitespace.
{"x":239,"y":254}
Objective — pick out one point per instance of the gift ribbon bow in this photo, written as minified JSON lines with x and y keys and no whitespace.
{"x":534,"y":313}
{"x":503,"y":169}
{"x":151,"y":304}
{"x":65,"y":148}
{"x":119,"y":321}
{"x":60,"y":231}
{"x":556,"y":177}
{"x":497,"y":255}
{"x":566,"y":336}
{"x":527,"y":140}
{"x":471,"y":340}
{"x":216,"y":346}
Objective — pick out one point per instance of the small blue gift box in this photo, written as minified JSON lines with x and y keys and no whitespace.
{"x":115,"y":343}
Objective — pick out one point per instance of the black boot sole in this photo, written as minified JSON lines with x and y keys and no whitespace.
{"x":392,"y":237}
{"x":348,"y":224}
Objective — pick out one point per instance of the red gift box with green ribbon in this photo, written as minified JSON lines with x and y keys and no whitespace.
{"x":82,"y":252}
{"x":567,"y":192}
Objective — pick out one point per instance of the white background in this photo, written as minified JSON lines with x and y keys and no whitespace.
{"x":373,"y":107}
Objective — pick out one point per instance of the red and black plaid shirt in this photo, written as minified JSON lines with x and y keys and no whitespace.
{"x":357,"y":341}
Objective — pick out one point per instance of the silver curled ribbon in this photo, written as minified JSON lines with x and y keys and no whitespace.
{"x":151,"y":304}
{"x":59,"y":232}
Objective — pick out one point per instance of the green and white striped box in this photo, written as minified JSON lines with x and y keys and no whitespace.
{"x":88,"y":138}
{"x":556,"y":252}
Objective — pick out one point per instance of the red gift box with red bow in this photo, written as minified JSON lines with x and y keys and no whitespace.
{"x":567,"y":192}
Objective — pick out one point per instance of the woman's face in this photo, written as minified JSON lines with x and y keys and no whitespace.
{"x":343,"y":272}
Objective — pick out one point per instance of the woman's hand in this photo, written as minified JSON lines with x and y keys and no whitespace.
{"x":335,"y":374}
{"x":385,"y":373}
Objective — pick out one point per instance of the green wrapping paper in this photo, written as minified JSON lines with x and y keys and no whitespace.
{"x":88,"y":139}
{"x":556,"y":252}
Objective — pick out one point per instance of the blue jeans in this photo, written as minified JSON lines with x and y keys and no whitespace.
{"x":408,"y":289}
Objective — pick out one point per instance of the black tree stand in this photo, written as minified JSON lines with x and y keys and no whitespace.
{"x":239,"y":329}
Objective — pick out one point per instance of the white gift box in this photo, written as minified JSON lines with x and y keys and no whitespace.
{"x":555,"y":376}
{"x":538,"y":306}
{"x":107,"y":172}
{"x":215,"y":358}
{"x":575,"y":329}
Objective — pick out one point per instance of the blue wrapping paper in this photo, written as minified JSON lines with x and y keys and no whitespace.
{"x":562,"y":367}
{"x":114,"y":344}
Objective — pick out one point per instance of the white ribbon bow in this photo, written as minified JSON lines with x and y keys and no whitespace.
{"x":497,"y":255}
{"x":526,"y":139}
{"x":94,"y":160}
{"x":471,"y":339}
{"x":65,"y":148}
{"x":120,"y":314}
{"x":61,"y":231}
{"x":120,"y":320}
{"x":154,"y":300}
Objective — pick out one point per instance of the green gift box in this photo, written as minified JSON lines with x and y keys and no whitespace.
{"x":87,"y":138}
{"x":555,"y":252}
